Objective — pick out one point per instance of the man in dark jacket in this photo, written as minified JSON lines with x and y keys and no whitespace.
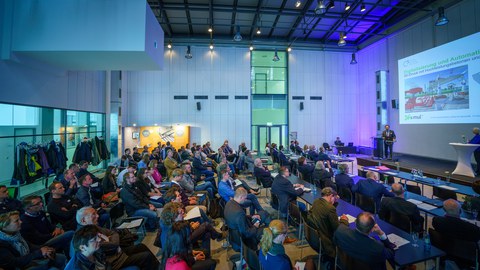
{"x":451,"y":225}
{"x":371,"y":188}
{"x":305,"y":169}
{"x":285,"y":190}
{"x":62,"y":208}
{"x":264,"y":176}
{"x":136,"y":204}
{"x":8,"y":204}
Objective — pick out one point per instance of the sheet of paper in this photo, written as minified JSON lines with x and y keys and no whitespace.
{"x":237,"y":182}
{"x":199,"y":183}
{"x":391,"y":173}
{"x":200,"y":194}
{"x":131,"y":224}
{"x":274,"y":174}
{"x":300,"y":266}
{"x":414,"y":201}
{"x":447,"y":187}
{"x":474,"y":222}
{"x":373,"y":169}
{"x":307,"y":189}
{"x":351,"y":218}
{"x":426,"y":206}
{"x":397,"y":240}
{"x":194,"y":213}
{"x":155,"y":197}
{"x":94,"y":184}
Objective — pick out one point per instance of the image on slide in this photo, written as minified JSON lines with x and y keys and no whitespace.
{"x":438,"y":91}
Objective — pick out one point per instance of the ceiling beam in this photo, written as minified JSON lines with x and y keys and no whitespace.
{"x":163,"y":16}
{"x":299,"y":19}
{"x":234,"y":16}
{"x":344,"y":18}
{"x":189,"y":19}
{"x":277,"y":18}
{"x":256,"y":18}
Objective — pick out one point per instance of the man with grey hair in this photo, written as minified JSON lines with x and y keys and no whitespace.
{"x":476,"y":153}
{"x":451,"y":225}
{"x":399,"y":205}
{"x":262,"y":175}
{"x":118,"y":257}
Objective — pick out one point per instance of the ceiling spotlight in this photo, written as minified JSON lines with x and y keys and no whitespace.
{"x":341,"y":41}
{"x":362,"y":8}
{"x":275,"y":57}
{"x":211,"y":46}
{"x":238,"y":36}
{"x":347,"y":6}
{"x":258,"y":31}
{"x":298,"y":3}
{"x":442,"y":19}
{"x":289,"y":49}
{"x":210,"y":29}
{"x":320,"y":8}
{"x":188,"y":54}
{"x":354,"y":60}
{"x":251,"y":48}
{"x":169,"y":45}
{"x":331,"y":4}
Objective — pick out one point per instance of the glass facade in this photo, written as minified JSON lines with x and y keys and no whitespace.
{"x":269,"y":102}
{"x":38,"y":125}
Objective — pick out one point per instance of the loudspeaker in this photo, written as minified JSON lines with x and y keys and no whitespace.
{"x":301,"y":106}
{"x":394,"y":104}
{"x":199,"y":106}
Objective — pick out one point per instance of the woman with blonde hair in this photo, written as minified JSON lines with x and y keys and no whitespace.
{"x":272,"y":253}
{"x":157,"y":177}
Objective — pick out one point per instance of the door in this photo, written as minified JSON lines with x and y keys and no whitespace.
{"x":268,"y":134}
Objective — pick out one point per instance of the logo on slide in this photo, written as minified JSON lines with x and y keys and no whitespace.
{"x":413,"y":117}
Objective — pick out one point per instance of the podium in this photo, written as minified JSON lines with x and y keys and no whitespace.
{"x":377,"y":147}
{"x":464,"y":155}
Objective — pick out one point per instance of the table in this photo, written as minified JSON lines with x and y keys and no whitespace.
{"x":464,"y":155}
{"x":404,"y":255}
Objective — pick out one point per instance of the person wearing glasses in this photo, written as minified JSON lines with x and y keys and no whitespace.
{"x":272,"y":252}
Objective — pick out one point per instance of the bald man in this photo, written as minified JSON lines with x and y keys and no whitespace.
{"x":453,"y":226}
{"x":371,"y":188}
{"x":360,"y":246}
{"x":399,"y":205}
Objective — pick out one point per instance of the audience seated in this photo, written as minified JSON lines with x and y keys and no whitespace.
{"x":323,"y":217}
{"x":272,"y":253}
{"x":148,"y":189}
{"x":200,"y":167}
{"x":360,"y":246}
{"x":85,"y":193}
{"x":342,"y":180}
{"x":305,"y":169}
{"x":121,"y":163}
{"x":312,"y":153}
{"x":70,"y":181}
{"x":109,"y":242}
{"x":298,"y":149}
{"x":338,"y":142}
{"x":176,"y":254}
{"x":83,"y":170}
{"x":262,"y":174}
{"x":8,"y":204}
{"x":451,"y":225}
{"x":190,"y":184}
{"x":62,"y":208}
{"x":188,"y":201}
{"x":322,"y":155}
{"x":285,"y":190}
{"x":144,"y":162}
{"x":399,"y":205}
{"x":371,"y":188}
{"x":136,"y":204}
{"x":156,"y":176}
{"x":229,"y":152}
{"x":170,"y":163}
{"x":109,"y":182}
{"x":16,"y":253}
{"x":249,"y":161}
{"x":136,"y":156}
{"x":38,"y":230}
{"x":129,"y":169}
{"x":321,"y":176}
{"x":249,"y":227}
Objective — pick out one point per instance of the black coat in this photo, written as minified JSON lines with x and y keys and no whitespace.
{"x":10,"y":258}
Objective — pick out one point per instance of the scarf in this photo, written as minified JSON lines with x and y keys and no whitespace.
{"x":17,"y":242}
{"x":276,"y":249}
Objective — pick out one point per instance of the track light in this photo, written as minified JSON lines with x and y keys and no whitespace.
{"x":320,"y":8}
{"x":251,"y":48}
{"x":211,"y":46}
{"x":210,"y":29}
{"x":354,"y":60}
{"x":188,"y":54}
{"x":258,"y":31}
{"x":347,"y":6}
{"x":442,"y":19}
{"x":275,"y":57}
{"x":169,"y":45}
{"x":289,"y":49}
{"x":298,"y":3}
{"x":331,"y":4}
{"x":362,"y":8}
{"x":238,"y":35}
{"x":341,"y":41}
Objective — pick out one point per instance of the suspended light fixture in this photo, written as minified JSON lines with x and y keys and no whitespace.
{"x":362,"y":8}
{"x":169,"y":45}
{"x":251,"y":48}
{"x":354,"y":60}
{"x":320,"y":8}
{"x":298,"y":3}
{"x":331,"y":4}
{"x":188,"y":54}
{"x":442,"y":19}
{"x":258,"y":31}
{"x":341,"y":41}
{"x":210,"y":29}
{"x":275,"y":57}
{"x":289,"y":49}
{"x":238,"y":35}
{"x":211,"y":46}
{"x":347,"y":6}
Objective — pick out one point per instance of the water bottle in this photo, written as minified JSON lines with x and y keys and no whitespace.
{"x":314,"y":189}
{"x":427,"y":244}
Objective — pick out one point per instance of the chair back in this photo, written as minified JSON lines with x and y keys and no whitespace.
{"x":116,"y":212}
{"x":235,"y":239}
{"x":400,"y":221}
{"x":347,"y":262}
{"x":345,"y":194}
{"x":294,"y":213}
{"x":300,"y":175}
{"x":250,"y":256}
{"x":459,"y":250}
{"x":414,"y":189}
{"x":274,"y":202}
{"x":444,"y":194}
{"x":313,"y":238}
{"x":365,"y":203}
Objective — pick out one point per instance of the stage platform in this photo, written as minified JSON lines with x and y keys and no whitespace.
{"x":431,"y":167}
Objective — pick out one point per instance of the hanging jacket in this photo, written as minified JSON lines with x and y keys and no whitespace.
{"x":82,"y":152}
{"x":102,"y":148}
{"x":42,"y":159}
{"x":95,"y":155}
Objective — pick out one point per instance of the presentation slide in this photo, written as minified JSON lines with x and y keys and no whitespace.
{"x":441,"y":85}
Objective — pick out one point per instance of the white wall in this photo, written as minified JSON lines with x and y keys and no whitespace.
{"x":224,"y":71}
{"x":423,"y":140}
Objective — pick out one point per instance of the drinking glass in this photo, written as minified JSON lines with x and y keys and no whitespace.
{"x":414,"y":239}
{"x":438,"y":181}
